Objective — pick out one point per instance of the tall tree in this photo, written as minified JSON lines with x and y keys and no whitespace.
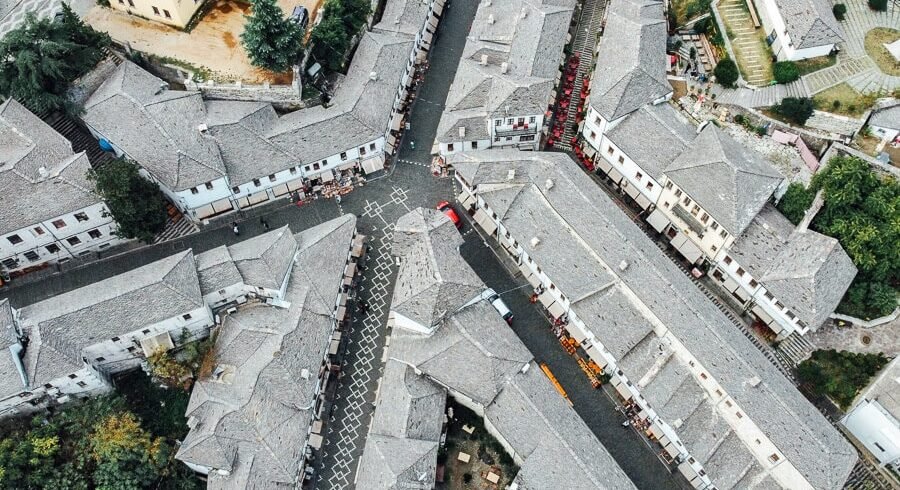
{"x":272,"y":42}
{"x":137,"y":204}
{"x":341,"y":20}
{"x":40,"y":58}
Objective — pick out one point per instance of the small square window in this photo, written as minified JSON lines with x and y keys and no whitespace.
{"x":209,"y":186}
{"x":593,"y":135}
{"x":186,"y":316}
{"x":773,"y":458}
{"x":10,"y":263}
{"x":703,"y":376}
{"x":638,"y":175}
{"x":73,"y":376}
{"x":753,"y":283}
{"x":769,"y":296}
{"x":474,"y":145}
{"x":37,"y":231}
{"x":155,"y":10}
{"x":73,"y":240}
{"x":293,"y":170}
{"x":48,"y":386}
{"x":194,"y":190}
{"x":621,"y":159}
{"x":59,"y":224}
{"x":498,"y":122}
{"x":81,"y":217}
{"x":649,"y":186}
{"x":14,"y":239}
{"x":131,"y":3}
{"x":372,"y":146}
{"x":115,"y":339}
{"x":82,"y":384}
{"x":167,"y":14}
{"x":532,"y":120}
{"x":598,"y":121}
{"x":145,"y":331}
{"x":723,"y":234}
{"x":677,"y":192}
{"x":704,"y":217}
{"x":95,"y":234}
{"x":316,"y":165}
{"x":256,"y":182}
{"x":100,"y":359}
{"x":739,"y":415}
{"x":131,"y":348}
{"x":740,"y":272}
{"x":609,"y":150}
{"x":779,"y":305}
{"x":669,"y":185}
{"x":272,"y":178}
{"x":362,"y":150}
{"x":343,"y":155}
{"x":32,"y":255}
{"x":236,"y":189}
{"x":450,"y":147}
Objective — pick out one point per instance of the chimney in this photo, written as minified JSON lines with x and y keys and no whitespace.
{"x":373,"y":76}
{"x":511,"y":174}
{"x":754,"y":381}
{"x":203,"y":128}
{"x":484,"y":60}
{"x":462,"y":131}
{"x":304,"y":373}
{"x":535,"y":241}
{"x":548,"y":184}
{"x":504,"y":68}
{"x":491,"y":19}
{"x":623,"y":265}
{"x":525,"y":12}
{"x":42,"y":171}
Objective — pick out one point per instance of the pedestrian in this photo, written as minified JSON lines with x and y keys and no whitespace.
{"x":234,"y":228}
{"x":337,"y":198}
{"x":412,"y":144}
{"x":265,"y":224}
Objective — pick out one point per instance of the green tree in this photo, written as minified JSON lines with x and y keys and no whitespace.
{"x":795,"y":109}
{"x":878,"y":5}
{"x":795,"y":201}
{"x":839,"y":10}
{"x":786,"y":71}
{"x":839,"y":375}
{"x":272,"y":42}
{"x":40,"y":58}
{"x":126,"y":455}
{"x":137,"y":204}
{"x":341,"y":20}
{"x":726,"y":72}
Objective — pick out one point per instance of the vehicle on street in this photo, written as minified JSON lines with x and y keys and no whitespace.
{"x":494,"y":299}
{"x":300,"y":16}
{"x":446,"y":208}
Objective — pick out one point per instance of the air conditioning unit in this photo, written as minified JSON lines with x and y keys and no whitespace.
{"x":491,"y":19}
{"x":548,"y":184}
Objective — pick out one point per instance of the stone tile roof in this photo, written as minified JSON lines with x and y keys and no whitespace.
{"x":10,"y":379}
{"x":264,"y":260}
{"x":157,"y":127}
{"x":251,"y":418}
{"x":393,"y":463}
{"x":27,"y":197}
{"x":430,"y":284}
{"x":652,"y":136}
{"x":216,"y":270}
{"x":528,"y":37}
{"x":887,"y":117}
{"x":884,"y":389}
{"x":810,"y":23}
{"x":807,"y":271}
{"x":631,"y":60}
{"x":60,"y":327}
{"x":403,"y":16}
{"x":729,"y":181}
{"x":589,"y":220}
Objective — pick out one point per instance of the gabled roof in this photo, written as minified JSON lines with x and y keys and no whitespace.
{"x":40,"y":176}
{"x":589,"y":224}
{"x":397,"y":464}
{"x":429,"y":284}
{"x":652,"y":137}
{"x":887,"y":116}
{"x":157,"y":127}
{"x":415,"y":405}
{"x":264,"y":260}
{"x":729,"y":181}
{"x":810,"y":23}
{"x":631,"y":61}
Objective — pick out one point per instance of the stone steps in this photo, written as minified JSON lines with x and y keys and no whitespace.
{"x":839,"y":73}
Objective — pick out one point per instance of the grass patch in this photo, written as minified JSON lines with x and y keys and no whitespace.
{"x":754,"y":59}
{"x":810,"y":65}
{"x":849,"y":101}
{"x":875,"y":41}
{"x":687,"y":10}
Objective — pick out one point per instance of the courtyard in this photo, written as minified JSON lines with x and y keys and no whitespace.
{"x":213,"y":48}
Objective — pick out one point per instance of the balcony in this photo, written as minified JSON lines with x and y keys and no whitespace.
{"x":517,"y":130}
{"x":689,"y":219}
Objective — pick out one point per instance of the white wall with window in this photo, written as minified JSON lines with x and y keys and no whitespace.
{"x":633,"y":179}
{"x":59,"y":239}
{"x":689,"y":218}
{"x":779,"y":39}
{"x":523,"y":132}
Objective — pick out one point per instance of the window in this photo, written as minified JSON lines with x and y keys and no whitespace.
{"x":687,"y":201}
{"x":609,"y":149}
{"x":509,"y":138}
{"x":52,"y":248}
{"x":73,"y":376}
{"x":790,"y":315}
{"x":82,"y":384}
{"x":450,"y":147}
{"x":100,"y":359}
{"x":496,"y":139}
{"x":145,"y":331}
{"x":95,"y":234}
{"x":509,"y":121}
{"x":677,"y":192}
{"x":343,"y":155}
{"x":521,"y":121}
{"x":316,"y":166}
{"x":668,"y":185}
{"x":81,"y":216}
{"x":48,"y":386}
{"x":272,"y":178}
{"x":774,"y":458}
{"x":31,"y":255}
{"x":740,"y":272}
{"x":474,"y":145}
{"x":14,"y":239}
{"x":59,"y":224}
{"x":186,"y":316}
{"x":73,"y":240}
{"x":723,"y":234}
{"x":362,"y":150}
{"x":37,"y":231}
{"x":209,"y":186}
{"x":704,"y":217}
{"x":714,"y":225}
{"x":714,"y":248}
{"x":155,"y":10}
{"x":130,"y":3}
{"x":621,"y":159}
{"x":728,"y":403}
{"x":718,"y":392}
{"x":372,"y":146}
{"x":498,"y":122}
{"x":695,"y":210}
{"x":167,"y":14}
{"x":638,"y":175}
{"x":529,"y":137}
{"x":769,"y":296}
{"x":131,"y":348}
{"x":703,"y":376}
{"x":122,"y":2}
{"x":598,"y":121}
{"x":666,"y":204}
{"x":532,"y":120}
{"x":222,"y":292}
{"x":753,"y":283}
{"x":739,"y":415}
{"x":194,"y":190}
{"x":649,"y":186}
{"x":236,"y":189}
{"x":115,"y":339}
{"x":593,"y":135}
{"x":878,"y":446}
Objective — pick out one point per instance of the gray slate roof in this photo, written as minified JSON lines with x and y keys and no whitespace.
{"x":403,"y":16}
{"x":264,"y":260}
{"x":474,"y":352}
{"x":729,"y":181}
{"x":10,"y":380}
{"x":157,"y":127}
{"x":27,"y":144}
{"x":810,"y":23}
{"x":887,"y":117}
{"x":216,"y":270}
{"x":430,"y":285}
{"x":631,"y":61}
{"x":60,"y":327}
{"x":653,"y":136}
{"x":580,"y":213}
{"x":807,"y":271}
{"x":529,"y":37}
{"x":254,"y":418}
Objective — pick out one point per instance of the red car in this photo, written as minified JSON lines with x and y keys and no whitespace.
{"x":447,"y":209}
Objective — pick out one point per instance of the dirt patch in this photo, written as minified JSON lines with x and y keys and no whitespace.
{"x":223,"y":7}
{"x":875,"y":41}
{"x":229,"y":39}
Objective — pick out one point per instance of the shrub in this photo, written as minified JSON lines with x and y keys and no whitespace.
{"x":726,"y":72}
{"x":795,"y":201}
{"x":839,"y":375}
{"x":836,"y":105}
{"x":795,"y":109}
{"x":879,"y":5}
{"x":786,"y":72}
{"x":839,"y":10}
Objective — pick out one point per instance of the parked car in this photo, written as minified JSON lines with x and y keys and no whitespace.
{"x":447,"y":209}
{"x":300,"y":16}
{"x":494,"y":299}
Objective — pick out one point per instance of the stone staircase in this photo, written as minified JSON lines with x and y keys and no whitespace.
{"x":81,"y":138}
{"x":839,"y":73}
{"x":177,"y":226}
{"x":795,"y":348}
{"x":589,"y":21}
{"x":762,"y":97}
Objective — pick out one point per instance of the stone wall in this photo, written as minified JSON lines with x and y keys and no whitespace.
{"x":285,"y":97}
